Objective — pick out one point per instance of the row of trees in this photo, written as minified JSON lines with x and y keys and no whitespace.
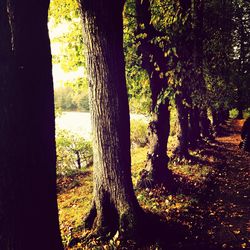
{"x":69,"y":99}
{"x":185,"y":49}
{"x":180,"y":52}
{"x":189,"y":50}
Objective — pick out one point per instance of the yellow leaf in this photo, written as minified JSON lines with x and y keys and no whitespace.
{"x":178,"y":205}
{"x":236,"y":231}
{"x":243,"y":245}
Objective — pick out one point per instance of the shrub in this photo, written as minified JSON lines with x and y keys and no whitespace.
{"x":138,"y":133}
{"x":73,"y":151}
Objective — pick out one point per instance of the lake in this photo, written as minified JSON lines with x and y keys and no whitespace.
{"x":80,"y":122}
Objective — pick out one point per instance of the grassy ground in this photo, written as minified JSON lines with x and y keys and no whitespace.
{"x":210,"y":204}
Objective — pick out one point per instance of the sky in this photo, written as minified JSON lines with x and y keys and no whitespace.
{"x":59,"y":75}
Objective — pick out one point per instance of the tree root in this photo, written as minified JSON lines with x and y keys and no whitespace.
{"x":110,"y":221}
{"x":146,"y":180}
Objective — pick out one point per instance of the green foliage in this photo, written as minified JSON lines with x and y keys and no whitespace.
{"x":221,"y":94}
{"x":226,"y":53}
{"x":81,"y":100}
{"x":138,"y":133}
{"x":64,"y":20}
{"x":64,"y":99}
{"x":241,"y":50}
{"x":68,"y":99}
{"x":247,"y":113}
{"x":136,"y":77}
{"x":73,"y":152}
{"x":233,"y":113}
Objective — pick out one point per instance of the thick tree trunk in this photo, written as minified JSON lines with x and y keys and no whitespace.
{"x":194,"y":127}
{"x":114,"y":203}
{"x":159,"y":128}
{"x":215,"y":122}
{"x":181,"y":150}
{"x":184,"y":48}
{"x":28,"y":207}
{"x":219,"y":117}
{"x":205,"y":125}
{"x":157,"y":171}
{"x":157,"y":159}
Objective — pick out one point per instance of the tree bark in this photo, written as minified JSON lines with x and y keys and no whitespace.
{"x":28,"y":207}
{"x":158,"y":133}
{"x":215,"y":122}
{"x":181,"y":150}
{"x":205,"y":125}
{"x":114,"y":203}
{"x":194,"y":127}
{"x":219,"y":117}
{"x":184,"y":46}
{"x":157,"y":171}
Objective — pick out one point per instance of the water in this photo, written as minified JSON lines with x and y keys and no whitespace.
{"x":80,"y":122}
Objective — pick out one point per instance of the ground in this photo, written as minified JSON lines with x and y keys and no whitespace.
{"x":210,"y":209}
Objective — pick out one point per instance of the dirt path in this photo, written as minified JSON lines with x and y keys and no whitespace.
{"x":218,"y":216}
{"x":228,"y":201}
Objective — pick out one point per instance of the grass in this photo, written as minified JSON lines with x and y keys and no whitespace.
{"x":75,"y":193}
{"x":138,"y":161}
{"x":74,"y":201}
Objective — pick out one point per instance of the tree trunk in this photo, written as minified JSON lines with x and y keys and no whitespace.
{"x":215,"y":122}
{"x":205,"y":125}
{"x":157,"y":171}
{"x":28,"y":207}
{"x":158,"y":133}
{"x":194,"y":127}
{"x":184,"y":48}
{"x":224,"y":116}
{"x":114,"y":203}
{"x":181,"y":150}
{"x":78,"y":159}
{"x":242,"y":59}
{"x":219,"y":117}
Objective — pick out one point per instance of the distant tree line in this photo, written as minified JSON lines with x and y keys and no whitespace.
{"x":67,"y":99}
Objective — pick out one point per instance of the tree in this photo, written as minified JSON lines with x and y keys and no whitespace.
{"x":183,"y":71}
{"x":194,"y":135}
{"x":241,"y":37}
{"x":28,"y":207}
{"x":66,"y":14}
{"x":217,"y":58}
{"x":114,"y":203}
{"x":136,"y":77}
{"x":151,"y":49}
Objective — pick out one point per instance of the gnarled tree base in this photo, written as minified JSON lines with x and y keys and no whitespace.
{"x":180,"y":154}
{"x":104,"y":223}
{"x":155,"y":174}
